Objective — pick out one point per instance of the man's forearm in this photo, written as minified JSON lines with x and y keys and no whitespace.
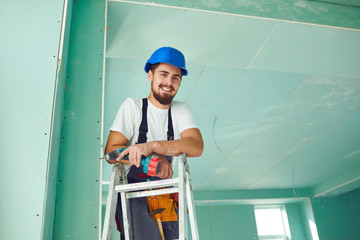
{"x":190,"y":143}
{"x":190,"y":146}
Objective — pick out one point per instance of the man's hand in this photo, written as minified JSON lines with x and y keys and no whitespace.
{"x":165,"y":169}
{"x":145,"y":149}
{"x":136,"y":152}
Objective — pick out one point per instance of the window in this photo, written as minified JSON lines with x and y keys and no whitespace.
{"x":272,"y":223}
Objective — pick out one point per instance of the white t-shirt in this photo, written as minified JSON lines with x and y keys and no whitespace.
{"x":129,"y":115}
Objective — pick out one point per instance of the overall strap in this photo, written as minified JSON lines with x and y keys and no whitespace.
{"x":144,"y":126}
{"x":170,"y":132}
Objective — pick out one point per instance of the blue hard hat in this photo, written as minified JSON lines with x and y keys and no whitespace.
{"x":167,"y":55}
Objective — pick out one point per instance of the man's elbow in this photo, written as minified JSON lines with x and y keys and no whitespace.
{"x":199,"y":149}
{"x":194,"y":142}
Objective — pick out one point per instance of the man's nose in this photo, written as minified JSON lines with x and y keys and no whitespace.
{"x":168,"y":80}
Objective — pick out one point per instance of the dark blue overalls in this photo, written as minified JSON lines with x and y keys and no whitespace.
{"x":143,"y":226}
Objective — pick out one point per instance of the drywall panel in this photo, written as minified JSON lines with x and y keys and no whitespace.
{"x":130,"y":24}
{"x":247,"y":97}
{"x":318,"y":12}
{"x":293,"y":141}
{"x":338,"y":217}
{"x":54,"y":150}
{"x":246,"y":42}
{"x":28,"y":63}
{"x":238,"y":221}
{"x":77,"y":205}
{"x":296,"y":221}
{"x":226,"y":222}
{"x":345,"y":182}
{"x":315,"y":50}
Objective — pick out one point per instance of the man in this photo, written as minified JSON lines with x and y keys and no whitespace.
{"x":156,"y":125}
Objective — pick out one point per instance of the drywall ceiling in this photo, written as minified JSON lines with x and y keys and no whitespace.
{"x":354,"y":3}
{"x":277,"y":102}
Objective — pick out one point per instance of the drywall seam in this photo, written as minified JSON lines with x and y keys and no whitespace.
{"x":62,"y":34}
{"x":270,"y":36}
{"x":53,"y":114}
{"x":102,"y":121}
{"x":334,"y":188}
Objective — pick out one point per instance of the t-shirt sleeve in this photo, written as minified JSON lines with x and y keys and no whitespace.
{"x":125,"y":119}
{"x":186,"y":118}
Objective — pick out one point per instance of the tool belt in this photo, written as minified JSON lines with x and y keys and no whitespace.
{"x":163,"y":201}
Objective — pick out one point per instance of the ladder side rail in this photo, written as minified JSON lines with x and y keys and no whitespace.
{"x":191,"y":206}
{"x":181,"y":214}
{"x":111,"y":204}
{"x":125,"y":206}
{"x":126,"y":216}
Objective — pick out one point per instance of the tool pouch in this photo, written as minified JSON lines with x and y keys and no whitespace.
{"x":163,"y":201}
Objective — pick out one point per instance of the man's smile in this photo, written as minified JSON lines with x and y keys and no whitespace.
{"x":166,"y":89}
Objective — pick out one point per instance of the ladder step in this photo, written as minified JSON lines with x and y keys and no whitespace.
{"x":152,"y":192}
{"x":147,"y":185}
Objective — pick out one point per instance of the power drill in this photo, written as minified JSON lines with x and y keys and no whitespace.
{"x":151,"y":164}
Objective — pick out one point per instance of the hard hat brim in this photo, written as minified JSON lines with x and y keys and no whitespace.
{"x":148,"y":67}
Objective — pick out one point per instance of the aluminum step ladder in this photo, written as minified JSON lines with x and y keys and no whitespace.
{"x":180,"y":184}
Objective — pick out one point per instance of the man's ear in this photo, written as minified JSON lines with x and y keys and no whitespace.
{"x":150,"y":75}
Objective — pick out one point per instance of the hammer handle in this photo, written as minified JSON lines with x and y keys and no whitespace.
{"x":160,"y":228}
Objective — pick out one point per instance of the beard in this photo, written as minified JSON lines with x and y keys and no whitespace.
{"x":164,"y":99}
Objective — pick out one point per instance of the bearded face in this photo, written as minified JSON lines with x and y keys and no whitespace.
{"x":165,"y":82}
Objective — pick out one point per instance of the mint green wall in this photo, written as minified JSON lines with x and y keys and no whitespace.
{"x":48,"y":228}
{"x":335,"y":217}
{"x":338,"y":217}
{"x":226,"y":222}
{"x":308,"y":218}
{"x":238,"y":221}
{"x":296,"y":221}
{"x":77,"y":203}
{"x":238,"y":207}
{"x":29,"y":120}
